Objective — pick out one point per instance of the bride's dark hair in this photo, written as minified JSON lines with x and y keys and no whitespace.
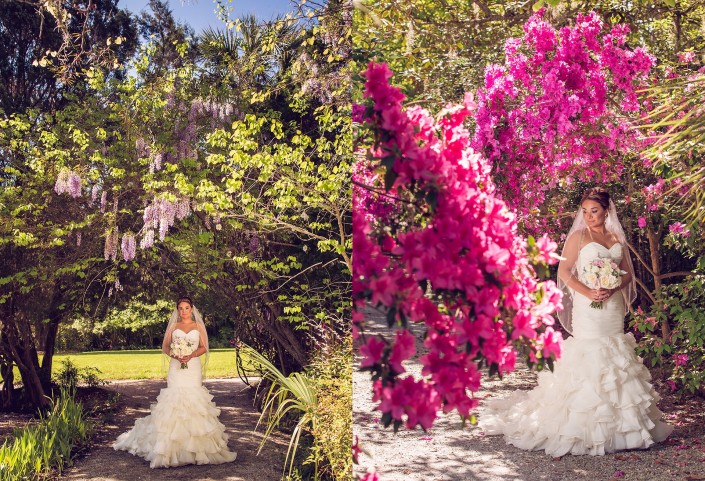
{"x":184,"y":299}
{"x":599,"y":195}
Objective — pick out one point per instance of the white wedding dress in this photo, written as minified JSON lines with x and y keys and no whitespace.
{"x":598,"y":399}
{"x":183,"y":427}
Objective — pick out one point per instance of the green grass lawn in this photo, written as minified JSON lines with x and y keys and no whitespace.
{"x":146,"y":364}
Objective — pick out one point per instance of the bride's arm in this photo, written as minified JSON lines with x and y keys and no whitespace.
{"x":166,"y":344}
{"x":570,"y":254}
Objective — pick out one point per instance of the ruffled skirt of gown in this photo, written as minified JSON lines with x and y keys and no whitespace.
{"x":597,"y":400}
{"x":183,"y":427}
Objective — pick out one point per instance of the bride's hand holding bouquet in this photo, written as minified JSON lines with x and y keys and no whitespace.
{"x":181,"y":348}
{"x":602,"y":274}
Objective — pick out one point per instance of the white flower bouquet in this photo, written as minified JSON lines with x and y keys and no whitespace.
{"x":601,"y":273}
{"x":182,"y":347}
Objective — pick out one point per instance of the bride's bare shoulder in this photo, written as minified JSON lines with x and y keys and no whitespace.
{"x":578,"y":238}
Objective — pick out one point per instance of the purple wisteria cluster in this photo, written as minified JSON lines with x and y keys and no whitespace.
{"x":128,"y":246}
{"x":155,"y":156}
{"x":68,"y":182}
{"x":160,"y":214}
{"x":216,"y":110}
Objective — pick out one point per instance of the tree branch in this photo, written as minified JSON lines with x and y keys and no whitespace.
{"x":676,"y":274}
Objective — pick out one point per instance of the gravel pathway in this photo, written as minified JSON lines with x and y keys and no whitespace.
{"x":451,"y":452}
{"x":238,"y":415}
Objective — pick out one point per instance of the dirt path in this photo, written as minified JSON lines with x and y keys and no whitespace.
{"x":449,"y":452}
{"x":238,"y":415}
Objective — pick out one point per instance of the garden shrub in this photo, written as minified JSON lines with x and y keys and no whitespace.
{"x":683,"y":354}
{"x":332,"y":375}
{"x":36,"y":450}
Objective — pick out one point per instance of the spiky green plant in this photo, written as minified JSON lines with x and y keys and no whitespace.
{"x":676,"y":125}
{"x":294,"y":394}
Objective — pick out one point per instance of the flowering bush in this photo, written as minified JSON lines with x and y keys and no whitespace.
{"x":683,"y":352}
{"x":447,"y":255}
{"x":554,"y":112}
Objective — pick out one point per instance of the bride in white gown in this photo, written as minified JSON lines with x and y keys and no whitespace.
{"x":598,"y":399}
{"x":183,"y":427}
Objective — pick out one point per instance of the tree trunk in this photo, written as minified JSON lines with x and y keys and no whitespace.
{"x":8,"y":386}
{"x":55,"y":316}
{"x":25,"y":356}
{"x":31,"y":383}
{"x":656,"y":268}
{"x":49,"y":349}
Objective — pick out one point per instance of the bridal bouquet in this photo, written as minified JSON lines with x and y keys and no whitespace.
{"x":602,"y":273}
{"x":181,"y":347}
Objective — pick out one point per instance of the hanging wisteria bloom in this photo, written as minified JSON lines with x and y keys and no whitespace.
{"x":183,"y":209}
{"x":62,"y":182}
{"x":160,"y":214}
{"x":74,"y":186}
{"x":68,"y":182}
{"x":147,"y":240}
{"x":128,"y":246}
{"x":94,"y":193}
{"x":78,"y":239}
{"x":103,"y":201}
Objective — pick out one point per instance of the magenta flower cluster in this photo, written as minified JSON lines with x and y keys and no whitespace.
{"x":679,"y":228}
{"x":556,"y":108}
{"x":463,"y":271}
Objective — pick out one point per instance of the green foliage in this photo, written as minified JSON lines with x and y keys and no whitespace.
{"x":678,"y":154}
{"x":332,"y":377}
{"x":320,"y":400}
{"x":37,"y":450}
{"x":288,"y":395}
{"x":68,"y":376}
{"x":681,"y":305}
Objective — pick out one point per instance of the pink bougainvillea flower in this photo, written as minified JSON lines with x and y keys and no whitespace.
{"x":404,"y":348}
{"x":356,"y":450}
{"x":547,"y":249}
{"x":642,"y":222}
{"x":680,"y":359}
{"x":464,"y":271}
{"x":686,"y":57}
{"x":679,"y":228}
{"x":371,"y":351}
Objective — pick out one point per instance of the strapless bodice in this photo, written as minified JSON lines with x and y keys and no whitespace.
{"x":179,"y":333}
{"x":593,"y":250}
